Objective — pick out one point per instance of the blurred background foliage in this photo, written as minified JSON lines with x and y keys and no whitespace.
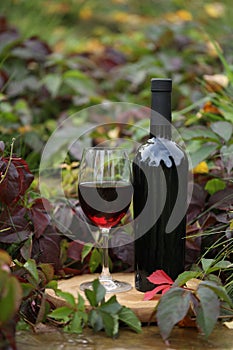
{"x":60,"y":57}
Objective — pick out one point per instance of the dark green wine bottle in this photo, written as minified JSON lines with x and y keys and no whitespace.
{"x":160,"y":176}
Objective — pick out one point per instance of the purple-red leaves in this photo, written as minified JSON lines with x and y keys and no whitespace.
{"x":14,"y":226}
{"x":24,"y":220}
{"x":17,"y":179}
{"x":163,"y":282}
{"x":39,"y":215}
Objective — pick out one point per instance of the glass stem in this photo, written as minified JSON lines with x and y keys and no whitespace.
{"x":105,"y":274}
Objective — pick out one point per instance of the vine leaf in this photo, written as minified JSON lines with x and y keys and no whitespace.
{"x":162,"y":281}
{"x":172,"y":308}
{"x":128,"y":317}
{"x":207,"y":310}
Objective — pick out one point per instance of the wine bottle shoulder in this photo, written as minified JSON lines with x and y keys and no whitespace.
{"x":157,"y":150}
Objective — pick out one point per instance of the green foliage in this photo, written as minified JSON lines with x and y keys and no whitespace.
{"x":207,"y":312}
{"x":204,"y":300}
{"x":73,"y":316}
{"x":97,"y":60}
{"x":95,"y":259}
{"x":103,"y":315}
{"x":10,"y":296}
{"x":172,"y":308}
{"x":10,"y":299}
{"x":215,"y":185}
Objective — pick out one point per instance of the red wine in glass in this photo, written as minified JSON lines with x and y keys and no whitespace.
{"x":105,"y":192}
{"x":106,"y":203}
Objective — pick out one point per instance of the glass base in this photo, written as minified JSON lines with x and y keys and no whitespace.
{"x":111,"y":286}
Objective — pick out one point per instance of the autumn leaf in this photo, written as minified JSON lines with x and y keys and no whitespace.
{"x":216,"y":82}
{"x":215,"y":10}
{"x":160,"y":277}
{"x":201,"y":168}
{"x":162,"y":281}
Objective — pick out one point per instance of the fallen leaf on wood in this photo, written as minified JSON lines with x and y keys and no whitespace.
{"x":229,"y":324}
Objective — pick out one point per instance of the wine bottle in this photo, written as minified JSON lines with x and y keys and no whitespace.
{"x":160,"y":173}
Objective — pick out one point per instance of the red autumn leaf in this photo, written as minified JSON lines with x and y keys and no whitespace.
{"x":151,"y":294}
{"x":25,"y":176}
{"x":163,"y":282}
{"x":74,"y":250}
{"x":17,"y":179}
{"x":14,"y":226}
{"x":160,"y":277}
{"x":9,"y":187}
{"x":39,"y":215}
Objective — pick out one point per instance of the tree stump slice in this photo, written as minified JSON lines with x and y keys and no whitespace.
{"x":132,"y":299}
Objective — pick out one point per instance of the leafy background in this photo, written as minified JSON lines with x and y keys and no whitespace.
{"x":59,"y":57}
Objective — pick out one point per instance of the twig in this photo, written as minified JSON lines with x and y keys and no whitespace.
{"x":2,"y":178}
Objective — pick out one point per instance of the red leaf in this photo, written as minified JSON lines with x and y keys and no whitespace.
{"x":74,"y":250}
{"x":39,"y":216}
{"x":18,"y":179}
{"x":150,"y":295}
{"x":25,"y":175}
{"x":46,"y":248}
{"x":14,"y":226}
{"x":160,"y":277}
{"x":9,"y":187}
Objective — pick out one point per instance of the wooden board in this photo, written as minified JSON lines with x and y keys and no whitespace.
{"x":132,"y":299}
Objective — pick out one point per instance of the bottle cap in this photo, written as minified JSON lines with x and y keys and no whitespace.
{"x":158,"y":84}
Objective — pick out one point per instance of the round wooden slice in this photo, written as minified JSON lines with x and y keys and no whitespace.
{"x":132,"y":299}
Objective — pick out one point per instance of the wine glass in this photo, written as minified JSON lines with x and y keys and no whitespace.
{"x":105,"y":192}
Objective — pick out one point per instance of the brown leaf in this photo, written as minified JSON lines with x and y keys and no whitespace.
{"x":216,"y":82}
{"x":187,"y":322}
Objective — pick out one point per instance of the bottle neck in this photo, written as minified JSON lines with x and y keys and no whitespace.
{"x":160,"y":120}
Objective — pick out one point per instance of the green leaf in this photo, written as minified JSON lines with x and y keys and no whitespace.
{"x":95,"y":260}
{"x":227,"y":157}
{"x":79,"y":82}
{"x":86,"y":250}
{"x":111,"y":324}
{"x":215,"y":185}
{"x":202,"y":153}
{"x":223,"y":264}
{"x":220,"y":291}
{"x":185,"y":277}
{"x":223,"y":129}
{"x":208,"y":309}
{"x":111,"y":306}
{"x":48,"y":271}
{"x":172,"y":308}
{"x":95,"y":320}
{"x":206,"y":263}
{"x":52,"y":83}
{"x":127,"y":316}
{"x":68,"y":297}
{"x":91,"y":297}
{"x":31,"y":267}
{"x":10,"y":298}
{"x":76,"y":323}
{"x":27,"y":288}
{"x":198,"y":133}
{"x":99,"y":290}
{"x":81,"y":303}
{"x":52,"y":285}
{"x":62,"y":313}
{"x":220,"y":265}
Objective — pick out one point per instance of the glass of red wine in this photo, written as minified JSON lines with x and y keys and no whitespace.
{"x":105,"y":192}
